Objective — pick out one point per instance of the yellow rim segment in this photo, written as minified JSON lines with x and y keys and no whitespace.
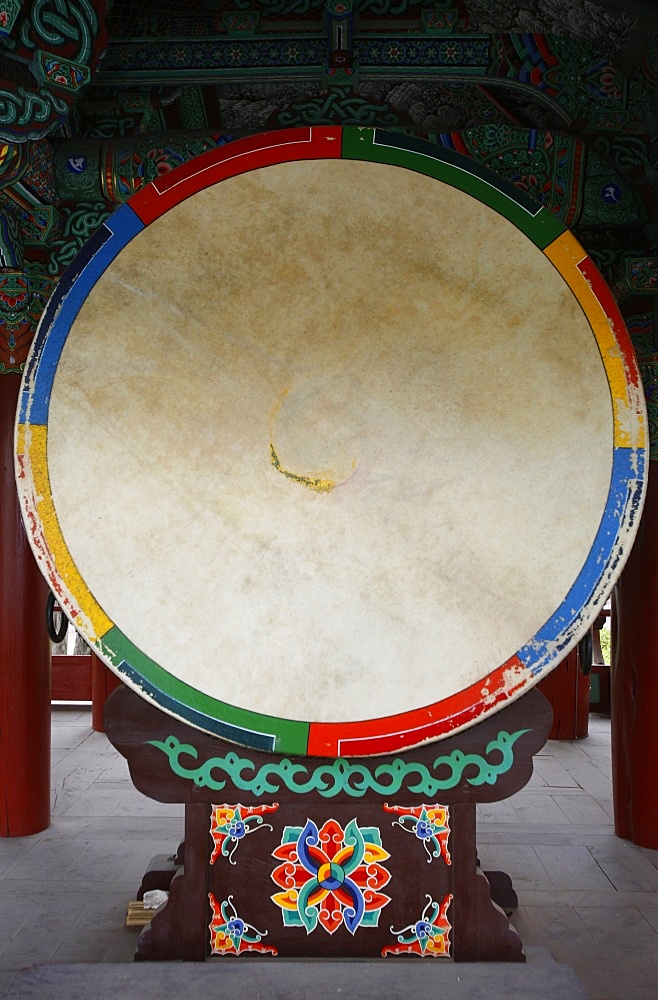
{"x":45,"y":510}
{"x":566,"y":253}
{"x":20,"y":439}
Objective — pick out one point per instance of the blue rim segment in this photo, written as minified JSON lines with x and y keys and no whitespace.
{"x":64,"y":305}
{"x":623,"y":504}
{"x":235,"y":734}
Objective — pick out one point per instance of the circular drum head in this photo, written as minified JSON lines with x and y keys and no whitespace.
{"x":331,"y":442}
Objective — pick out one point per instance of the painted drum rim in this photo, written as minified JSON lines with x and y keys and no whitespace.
{"x":569,"y":620}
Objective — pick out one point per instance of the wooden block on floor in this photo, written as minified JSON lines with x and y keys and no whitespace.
{"x":138,"y":915}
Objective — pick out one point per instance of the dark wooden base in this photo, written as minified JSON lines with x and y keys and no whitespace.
{"x":159,"y":874}
{"x":502,"y":891}
{"x":179,"y":929}
{"x":314,"y":858}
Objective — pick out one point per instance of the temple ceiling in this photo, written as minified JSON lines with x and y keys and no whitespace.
{"x":96,"y":98}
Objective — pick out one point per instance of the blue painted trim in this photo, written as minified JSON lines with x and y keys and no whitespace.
{"x":622,"y":506}
{"x":244,"y":737}
{"x":64,"y":305}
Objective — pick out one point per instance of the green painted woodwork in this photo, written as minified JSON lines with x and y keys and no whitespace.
{"x":342,"y":775}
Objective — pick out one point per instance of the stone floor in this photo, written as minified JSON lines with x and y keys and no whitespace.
{"x":588,"y":897}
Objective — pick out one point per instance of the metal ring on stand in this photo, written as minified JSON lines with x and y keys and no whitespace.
{"x":56,"y":634}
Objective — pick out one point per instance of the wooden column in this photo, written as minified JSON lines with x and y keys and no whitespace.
{"x":24,"y":654}
{"x":634,"y":683}
{"x":103,"y":683}
{"x":567,"y":689}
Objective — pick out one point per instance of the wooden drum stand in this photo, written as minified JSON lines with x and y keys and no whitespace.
{"x":320,"y":858}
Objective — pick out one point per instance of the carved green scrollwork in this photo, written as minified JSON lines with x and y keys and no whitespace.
{"x":58,"y":24}
{"x":338,"y":106}
{"x":78,"y":226}
{"x":341,"y":775}
{"x":61,"y":41}
{"x":642,"y":329}
{"x":11,"y":244}
{"x":23,"y":295}
{"x":18,"y":109}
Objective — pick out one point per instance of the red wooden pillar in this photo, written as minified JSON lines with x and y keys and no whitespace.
{"x":634,"y":683}
{"x":567,"y":689}
{"x":103,"y":683}
{"x":24,"y":654}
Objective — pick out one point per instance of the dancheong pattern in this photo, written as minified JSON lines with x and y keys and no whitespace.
{"x":429,"y":824}
{"x":356,"y":779}
{"x":58,"y":46}
{"x":643,"y":335}
{"x":230,"y":934}
{"x":230,"y":824}
{"x":331,"y":876}
{"x":428,"y":937}
{"x":547,"y":165}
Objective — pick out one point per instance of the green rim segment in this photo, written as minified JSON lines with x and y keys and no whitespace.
{"x":399,"y":150}
{"x":252,"y":729}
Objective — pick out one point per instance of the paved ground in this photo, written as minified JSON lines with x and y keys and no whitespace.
{"x":588,"y":897}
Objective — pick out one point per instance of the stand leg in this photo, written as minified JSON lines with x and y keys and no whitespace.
{"x":481,"y":932}
{"x":159,"y":875}
{"x":179,"y":929}
{"x":502,"y":891}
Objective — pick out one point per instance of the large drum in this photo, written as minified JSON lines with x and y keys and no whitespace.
{"x":331,"y":442}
